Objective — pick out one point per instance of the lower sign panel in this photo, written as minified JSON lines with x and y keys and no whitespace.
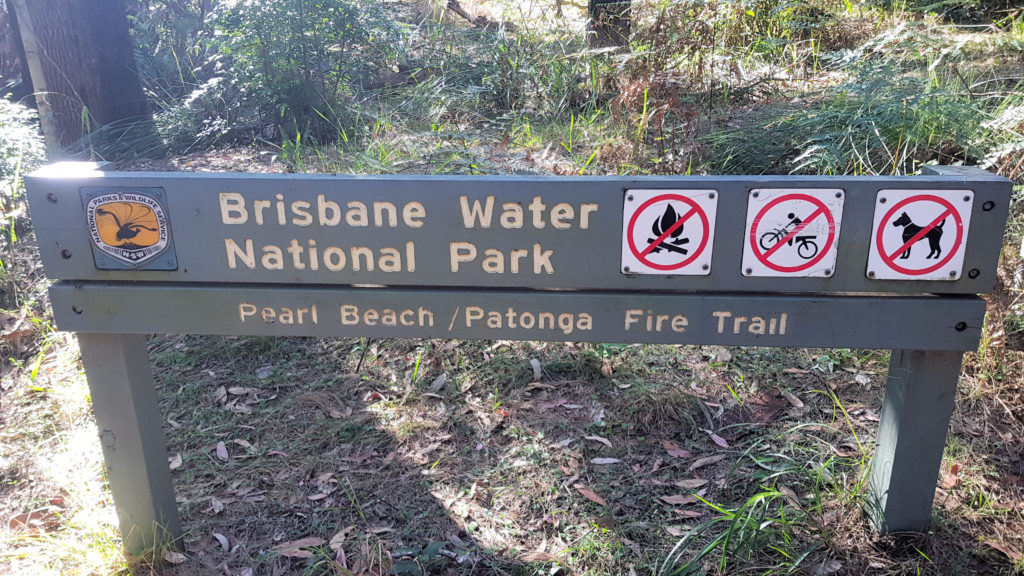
{"x":911,"y":322}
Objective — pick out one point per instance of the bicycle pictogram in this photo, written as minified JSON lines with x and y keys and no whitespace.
{"x":806,"y":247}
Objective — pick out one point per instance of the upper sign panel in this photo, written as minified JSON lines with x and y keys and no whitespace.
{"x":920,"y":234}
{"x":792,"y":232}
{"x":668,"y":232}
{"x":678,"y":234}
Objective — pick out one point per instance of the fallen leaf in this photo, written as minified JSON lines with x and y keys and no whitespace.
{"x":706,"y":461}
{"x":223,"y":541}
{"x":675,"y":451}
{"x":1011,"y":552}
{"x":676,"y":531}
{"x":338,"y":539}
{"x":604,"y":461}
{"x":606,"y":369}
{"x":316,"y":497}
{"x":174,"y":462}
{"x":716,"y":438}
{"x":381,"y":529}
{"x":242,"y":443}
{"x":688,"y":513}
{"x":723,"y":355}
{"x":828,"y":567}
{"x":439,"y":382}
{"x":691,"y":483}
{"x":242,"y":390}
{"x":174,"y":557}
{"x":949,"y":479}
{"x":536,"y":368}
{"x":590,"y":494}
{"x":277,"y":453}
{"x":222,"y":452}
{"x":862,"y":379}
{"x":295,"y":548}
{"x":604,"y":441}
{"x":792,"y":399}
{"x":795,"y":371}
{"x":680,"y":499}
{"x":264,"y":372}
{"x":34,"y":520}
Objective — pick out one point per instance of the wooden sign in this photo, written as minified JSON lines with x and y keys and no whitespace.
{"x":761,"y":261}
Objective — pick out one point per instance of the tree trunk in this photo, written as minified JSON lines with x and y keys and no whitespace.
{"x":609,"y":23}
{"x":87,"y":65}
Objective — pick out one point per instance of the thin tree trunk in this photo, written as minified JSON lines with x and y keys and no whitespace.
{"x":86,"y":71}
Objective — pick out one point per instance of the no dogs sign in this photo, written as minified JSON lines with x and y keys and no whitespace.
{"x":668,"y":232}
{"x":920,"y":234}
{"x":792,"y":232}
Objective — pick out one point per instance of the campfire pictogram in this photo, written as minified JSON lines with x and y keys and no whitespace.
{"x":672,"y":242}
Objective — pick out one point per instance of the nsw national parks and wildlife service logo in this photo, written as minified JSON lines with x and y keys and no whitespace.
{"x":129,"y":230}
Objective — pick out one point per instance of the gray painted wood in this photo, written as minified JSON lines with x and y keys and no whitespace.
{"x":915,"y":416}
{"x":923,"y":322}
{"x":134,"y":450}
{"x":581,"y":259}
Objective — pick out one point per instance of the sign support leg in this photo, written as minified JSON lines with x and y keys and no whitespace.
{"x":124,"y":403}
{"x":915,"y":416}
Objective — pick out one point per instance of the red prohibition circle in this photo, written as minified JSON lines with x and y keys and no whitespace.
{"x":828,"y":243}
{"x":891,"y":262}
{"x":703,"y":241}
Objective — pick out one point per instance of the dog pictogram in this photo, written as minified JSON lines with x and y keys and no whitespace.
{"x":934,"y":236}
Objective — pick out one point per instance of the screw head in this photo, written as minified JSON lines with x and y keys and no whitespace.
{"x":705,"y":267}
{"x":987,"y":206}
{"x":76,"y":309}
{"x":755,"y":194}
{"x":871,"y":273}
{"x":881,"y":200}
{"x":960,"y":326}
{"x":711,"y":195}
{"x":625,"y":268}
{"x":973,"y":273}
{"x":828,"y":272}
{"x":630,"y":197}
{"x":952,"y":273}
{"x":839,"y":194}
{"x":52,"y":197}
{"x":967,"y":198}
{"x":748,"y":271}
{"x":65,"y":254}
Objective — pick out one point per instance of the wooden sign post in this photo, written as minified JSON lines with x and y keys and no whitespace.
{"x":833,"y":262}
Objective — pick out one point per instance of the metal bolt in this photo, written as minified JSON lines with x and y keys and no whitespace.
{"x":705,"y":267}
{"x":871,"y":273}
{"x":65,"y":254}
{"x":961,"y":326}
{"x":952,"y":273}
{"x":881,"y":200}
{"x":630,"y":198}
{"x":988,"y":206}
{"x":76,"y":309}
{"x":967,"y":198}
{"x":973,"y":273}
{"x":625,"y":268}
{"x":712,"y":195}
{"x":828,"y":272}
{"x":52,"y":197}
{"x":748,"y":271}
{"x":170,"y":262}
{"x":839,"y":194}
{"x":755,"y":194}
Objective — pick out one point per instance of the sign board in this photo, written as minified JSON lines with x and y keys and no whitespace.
{"x":498,"y":232}
{"x":668,"y":232}
{"x":792,"y":232}
{"x":920,"y":234}
{"x":709,"y":260}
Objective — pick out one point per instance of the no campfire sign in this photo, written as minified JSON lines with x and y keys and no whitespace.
{"x":792,"y":232}
{"x":668,"y":232}
{"x":920,"y":234}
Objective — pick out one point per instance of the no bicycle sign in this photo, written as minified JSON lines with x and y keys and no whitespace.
{"x":792,"y":232}
{"x":920,"y":235}
{"x":668,"y":232}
